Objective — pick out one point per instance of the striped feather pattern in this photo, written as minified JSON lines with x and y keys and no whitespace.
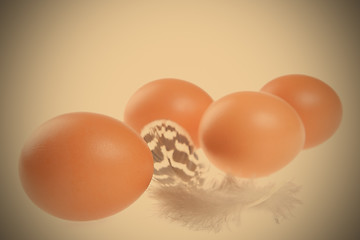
{"x":175,"y":159}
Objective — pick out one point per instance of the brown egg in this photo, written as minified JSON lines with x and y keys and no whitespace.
{"x":251,"y":134}
{"x":84,"y":166}
{"x":316,"y":102}
{"x":170,"y":99}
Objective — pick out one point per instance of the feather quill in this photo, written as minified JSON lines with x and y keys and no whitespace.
{"x":195,"y":194}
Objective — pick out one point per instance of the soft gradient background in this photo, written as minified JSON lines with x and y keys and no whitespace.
{"x":91,"y":56}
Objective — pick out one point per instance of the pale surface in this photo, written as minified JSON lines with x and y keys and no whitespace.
{"x":58,"y":58}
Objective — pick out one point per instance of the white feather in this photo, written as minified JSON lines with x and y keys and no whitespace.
{"x":212,"y":208}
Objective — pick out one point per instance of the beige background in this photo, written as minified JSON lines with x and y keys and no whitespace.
{"x":88,"y":56}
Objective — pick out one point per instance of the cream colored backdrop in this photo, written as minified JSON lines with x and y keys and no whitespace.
{"x":92,"y":55}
